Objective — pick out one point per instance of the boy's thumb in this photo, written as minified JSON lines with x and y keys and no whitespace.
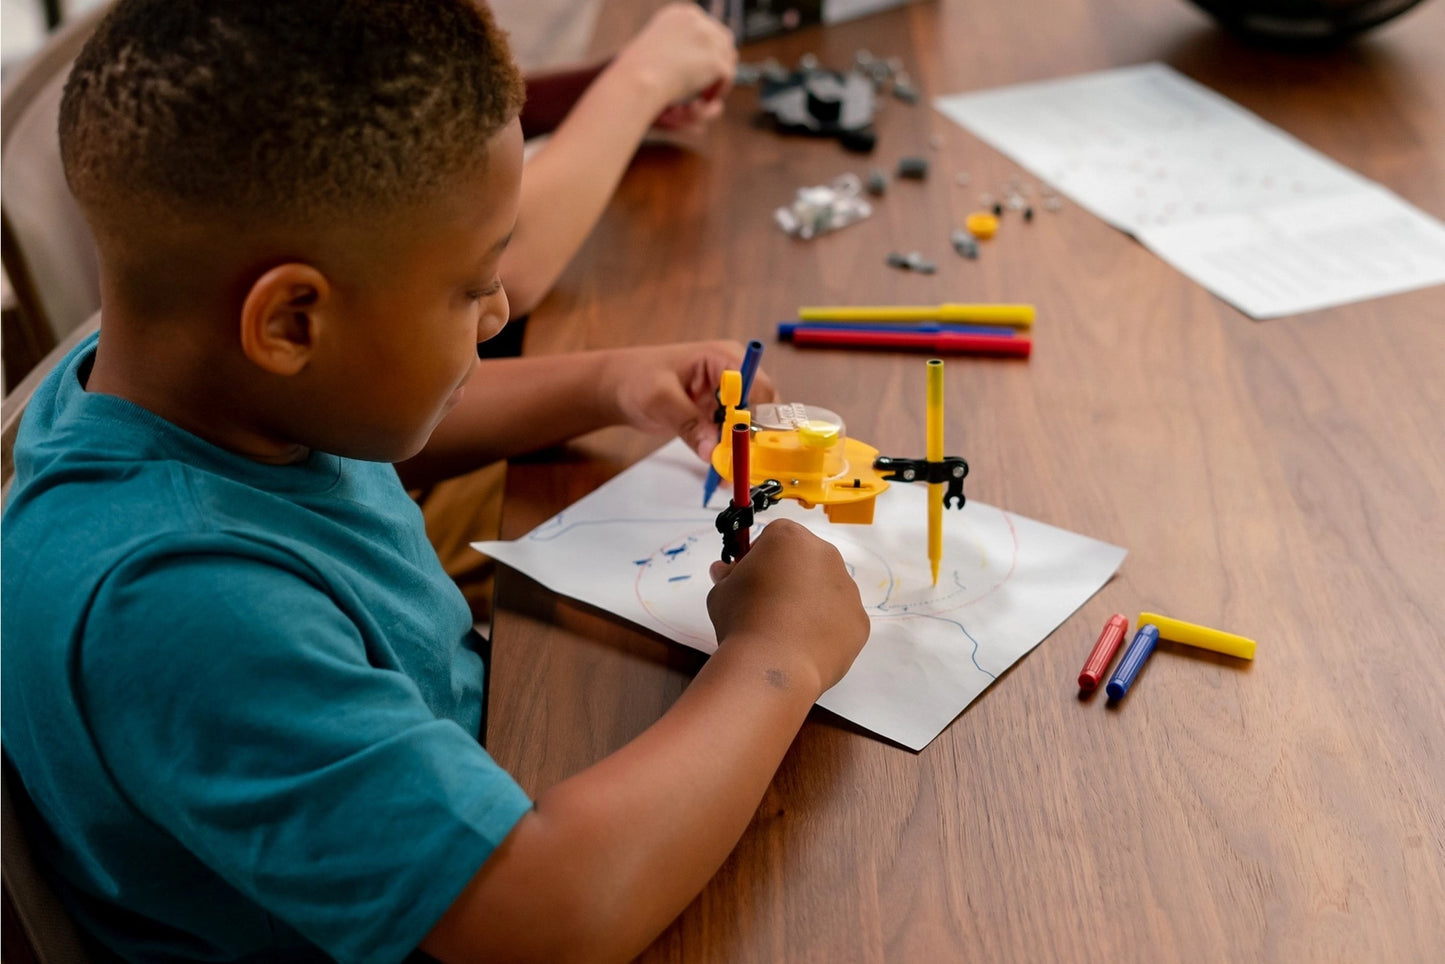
{"x":719,"y":570}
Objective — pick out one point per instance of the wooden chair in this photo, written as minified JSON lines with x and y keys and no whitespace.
{"x":47,"y":248}
{"x":35,"y":927}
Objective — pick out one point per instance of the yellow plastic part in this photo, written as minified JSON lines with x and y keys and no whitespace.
{"x":1178,"y":631}
{"x":730,"y":392}
{"x":981,"y":225}
{"x":813,"y":459}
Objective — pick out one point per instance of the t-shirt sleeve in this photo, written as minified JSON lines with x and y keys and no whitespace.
{"x":247,"y":721}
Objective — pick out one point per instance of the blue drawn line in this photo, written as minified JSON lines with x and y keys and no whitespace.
{"x":972,"y":656}
{"x":539,"y":535}
{"x":677,"y":578}
{"x":908,"y":607}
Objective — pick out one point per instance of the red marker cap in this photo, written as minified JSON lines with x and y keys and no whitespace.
{"x":1103,"y":653}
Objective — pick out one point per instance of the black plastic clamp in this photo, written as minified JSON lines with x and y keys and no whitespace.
{"x":951,"y":470}
{"x":736,"y":519}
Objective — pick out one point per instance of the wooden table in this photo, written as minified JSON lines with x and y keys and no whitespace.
{"x":1280,"y":479}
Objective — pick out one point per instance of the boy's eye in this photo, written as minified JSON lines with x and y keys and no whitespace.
{"x":477,"y":294}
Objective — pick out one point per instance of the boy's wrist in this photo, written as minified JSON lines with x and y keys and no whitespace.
{"x":778,"y":666}
{"x":606,"y":386}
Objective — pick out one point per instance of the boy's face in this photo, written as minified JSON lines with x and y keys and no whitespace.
{"x":411,"y":318}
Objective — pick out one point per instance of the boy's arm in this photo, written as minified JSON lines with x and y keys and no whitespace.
{"x":610,"y":856}
{"x":517,"y":405}
{"x":568,"y":182}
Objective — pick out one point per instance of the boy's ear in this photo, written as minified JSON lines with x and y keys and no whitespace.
{"x":284,"y":316}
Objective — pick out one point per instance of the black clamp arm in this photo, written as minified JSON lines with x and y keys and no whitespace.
{"x":951,"y":470}
{"x":735,"y":519}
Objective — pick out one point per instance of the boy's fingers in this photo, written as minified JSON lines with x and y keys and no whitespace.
{"x":719,"y":571}
{"x":703,"y":440}
{"x":674,"y":408}
{"x":762,"y":390}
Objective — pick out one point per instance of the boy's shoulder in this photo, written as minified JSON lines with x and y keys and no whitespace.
{"x":101,"y":482}
{"x":96,"y":474}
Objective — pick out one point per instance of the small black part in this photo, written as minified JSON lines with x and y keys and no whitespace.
{"x":860,"y":141}
{"x":997,"y":210}
{"x":735,"y":519}
{"x":877,"y":182}
{"x":1028,"y":214}
{"x":825,"y":97}
{"x":821,"y":103}
{"x":951,"y":470}
{"x":913,"y":167}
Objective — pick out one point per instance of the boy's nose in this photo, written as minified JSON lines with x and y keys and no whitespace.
{"x":495,"y":313}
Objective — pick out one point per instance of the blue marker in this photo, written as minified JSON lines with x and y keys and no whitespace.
{"x":1139,"y":651}
{"x":749,"y":370}
{"x":786,"y":328}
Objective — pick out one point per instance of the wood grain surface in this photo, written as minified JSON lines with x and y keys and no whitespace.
{"x":1280,"y":479}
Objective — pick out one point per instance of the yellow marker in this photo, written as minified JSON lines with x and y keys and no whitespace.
{"x":1178,"y":631}
{"x":1009,"y":316}
{"x":934,"y":424}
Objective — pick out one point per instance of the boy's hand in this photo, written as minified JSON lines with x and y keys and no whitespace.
{"x":686,"y":58}
{"x":672,"y":389}
{"x":791,"y":597}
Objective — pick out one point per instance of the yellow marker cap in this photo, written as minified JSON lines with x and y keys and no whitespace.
{"x":1178,"y":631}
{"x":817,"y":434}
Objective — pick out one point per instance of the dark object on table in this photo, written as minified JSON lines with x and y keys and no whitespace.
{"x":913,"y":168}
{"x":912,"y":261}
{"x":822,"y":103}
{"x":1303,"y":23}
{"x":754,"y":19}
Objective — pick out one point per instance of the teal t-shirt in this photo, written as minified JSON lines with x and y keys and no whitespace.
{"x":243,"y":699}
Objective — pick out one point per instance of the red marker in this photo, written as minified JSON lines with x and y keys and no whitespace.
{"x":742,"y":472}
{"x":1104,"y":650}
{"x":939,"y":343}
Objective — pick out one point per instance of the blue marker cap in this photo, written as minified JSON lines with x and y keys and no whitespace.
{"x":1138,"y":652}
{"x":749,"y":369}
{"x":751,"y":358}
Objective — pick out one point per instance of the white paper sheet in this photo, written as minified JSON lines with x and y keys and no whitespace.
{"x":640,"y":547}
{"x":1263,"y":221}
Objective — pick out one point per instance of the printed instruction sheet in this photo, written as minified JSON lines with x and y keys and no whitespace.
{"x":640,"y":547}
{"x":1263,"y":221}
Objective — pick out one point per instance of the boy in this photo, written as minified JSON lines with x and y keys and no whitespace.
{"x":239,"y":693}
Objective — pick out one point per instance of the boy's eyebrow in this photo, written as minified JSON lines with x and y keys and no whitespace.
{"x":501,"y":245}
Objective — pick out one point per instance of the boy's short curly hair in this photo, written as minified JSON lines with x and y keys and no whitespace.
{"x":283,"y":106}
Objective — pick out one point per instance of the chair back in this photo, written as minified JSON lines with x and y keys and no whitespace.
{"x":48,"y":250}
{"x":35,"y":928}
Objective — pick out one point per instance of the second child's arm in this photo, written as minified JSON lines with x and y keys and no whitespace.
{"x":567,"y":184}
{"x":517,"y":405}
{"x":609,"y":857}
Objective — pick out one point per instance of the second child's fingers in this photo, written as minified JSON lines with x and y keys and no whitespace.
{"x":719,"y":571}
